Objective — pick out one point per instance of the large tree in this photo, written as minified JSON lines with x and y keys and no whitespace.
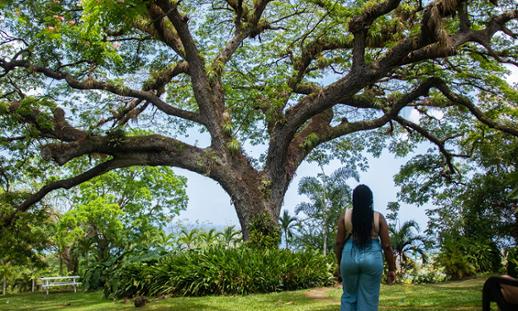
{"x":290,"y":75}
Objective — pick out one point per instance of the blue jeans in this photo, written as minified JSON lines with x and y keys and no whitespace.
{"x":361,"y":271}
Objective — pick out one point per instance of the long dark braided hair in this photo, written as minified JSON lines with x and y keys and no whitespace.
{"x":362,"y":215}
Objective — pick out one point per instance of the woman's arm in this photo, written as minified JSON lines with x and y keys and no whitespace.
{"x":387,"y":249}
{"x":340,"y":240}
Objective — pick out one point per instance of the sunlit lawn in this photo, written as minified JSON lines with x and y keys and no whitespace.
{"x":463,"y":295}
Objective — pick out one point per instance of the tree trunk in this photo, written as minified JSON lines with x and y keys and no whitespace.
{"x":250,"y":203}
{"x":60,"y":264}
{"x":70,"y":260}
{"x":4,"y":286}
{"x":325,"y":241}
{"x":252,"y":192}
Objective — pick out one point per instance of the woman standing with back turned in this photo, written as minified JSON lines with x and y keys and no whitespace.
{"x":358,"y":251}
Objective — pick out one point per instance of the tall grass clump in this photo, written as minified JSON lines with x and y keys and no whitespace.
{"x":222,"y":271}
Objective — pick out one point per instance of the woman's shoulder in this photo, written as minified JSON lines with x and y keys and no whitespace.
{"x":380,"y":214}
{"x":379,"y":217}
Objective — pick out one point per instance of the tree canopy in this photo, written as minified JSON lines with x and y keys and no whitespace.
{"x":123,"y":81}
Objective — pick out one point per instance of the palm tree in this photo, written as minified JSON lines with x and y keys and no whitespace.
{"x":229,"y":236}
{"x":209,"y":238}
{"x":287,"y":223}
{"x":328,"y":197}
{"x":405,"y":239}
{"x":188,"y":238}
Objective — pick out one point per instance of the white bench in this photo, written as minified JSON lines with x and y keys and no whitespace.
{"x":52,"y":281}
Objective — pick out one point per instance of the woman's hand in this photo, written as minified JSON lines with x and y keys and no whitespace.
{"x":391,"y":277}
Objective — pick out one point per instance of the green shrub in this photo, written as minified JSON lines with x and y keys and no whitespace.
{"x":426,"y":274}
{"x":512,"y":262}
{"x":131,"y":275}
{"x":219,"y":271}
{"x":466,"y":256}
{"x":485,"y":255}
{"x":454,"y":260}
{"x":456,"y":266}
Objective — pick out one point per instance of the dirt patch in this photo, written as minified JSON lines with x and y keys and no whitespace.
{"x":319,"y":293}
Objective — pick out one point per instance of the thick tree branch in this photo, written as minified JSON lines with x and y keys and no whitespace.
{"x":179,"y":21}
{"x":74,"y":181}
{"x":163,"y":77}
{"x":12,"y":139}
{"x":327,"y":133}
{"x":126,"y":151}
{"x":479,"y":114}
{"x":91,"y":84}
{"x":347,"y":86}
{"x":211,"y":105}
{"x":417,"y":49}
{"x":60,"y":128}
{"x":360,"y":25}
{"x":346,"y":127}
{"x":115,"y":145}
{"x":230,"y":48}
{"x":161,"y":29}
{"x":313,"y":49}
{"x":253,"y":28}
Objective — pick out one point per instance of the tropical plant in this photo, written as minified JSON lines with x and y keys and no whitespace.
{"x":427,"y":273}
{"x":406,"y":242}
{"x":221,"y":271}
{"x":230,"y":237}
{"x":457,"y":264}
{"x":287,"y":223}
{"x":328,"y":197}
{"x":475,"y":215}
{"x":188,"y":238}
{"x":463,"y":256}
{"x":208,"y":238}
{"x":512,"y":262}
{"x":117,"y":213}
{"x":297,"y":76}
{"x":25,"y":239}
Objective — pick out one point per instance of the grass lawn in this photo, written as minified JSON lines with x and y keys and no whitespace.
{"x":463,"y":295}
